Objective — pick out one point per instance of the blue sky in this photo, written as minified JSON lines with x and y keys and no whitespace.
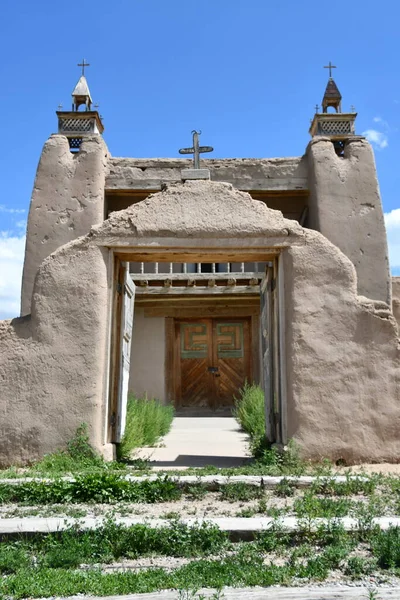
{"x":248,"y":73}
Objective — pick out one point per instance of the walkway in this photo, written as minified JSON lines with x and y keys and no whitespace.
{"x":199,"y":442}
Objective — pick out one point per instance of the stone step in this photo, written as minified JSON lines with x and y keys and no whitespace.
{"x":329,"y":592}
{"x":242,"y":528}
{"x":214,"y":481}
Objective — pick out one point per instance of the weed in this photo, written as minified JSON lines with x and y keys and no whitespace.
{"x":246,"y":512}
{"x":350,"y":487}
{"x":357,"y":566}
{"x":285,"y":488}
{"x":249,"y":411}
{"x":79,"y":456}
{"x":385,"y":547}
{"x":240,"y":492}
{"x":310,"y":506}
{"x":146,"y":421}
{"x":171,"y":515}
{"x":196,"y":491}
{"x":262,"y":505}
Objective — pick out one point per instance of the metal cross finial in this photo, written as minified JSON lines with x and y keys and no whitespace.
{"x":352,"y":108}
{"x":196,"y":150}
{"x":83,"y":64}
{"x":316,"y":108}
{"x":330,"y":67}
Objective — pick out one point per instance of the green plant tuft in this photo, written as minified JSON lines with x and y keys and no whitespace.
{"x":249,"y":411}
{"x":146,"y":421}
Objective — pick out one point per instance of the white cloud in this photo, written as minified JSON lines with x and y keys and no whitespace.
{"x":12,"y":249}
{"x":392,"y":221}
{"x":6,"y":209}
{"x":376,"y":138}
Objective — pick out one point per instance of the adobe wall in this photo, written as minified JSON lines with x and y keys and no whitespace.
{"x":345,"y":206}
{"x":396,"y":298}
{"x":147,"y":374}
{"x":343,"y":358}
{"x":52,"y":362}
{"x":344,"y":202}
{"x":342,"y":350}
{"x":67,"y":199}
{"x":274,"y":174}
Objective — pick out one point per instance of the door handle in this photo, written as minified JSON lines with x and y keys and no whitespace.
{"x":212,"y":369}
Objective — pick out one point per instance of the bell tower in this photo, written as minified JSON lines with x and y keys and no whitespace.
{"x":337,"y":125}
{"x":76,"y":124}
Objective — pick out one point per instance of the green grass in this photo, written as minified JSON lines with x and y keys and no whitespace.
{"x":50,"y":564}
{"x":240,"y":492}
{"x":77,"y":457}
{"x":93,"y":488}
{"x":111,"y":542}
{"x":303,"y":557}
{"x":146,"y":421}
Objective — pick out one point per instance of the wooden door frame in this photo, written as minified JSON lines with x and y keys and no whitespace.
{"x":119,"y":255}
{"x":115,"y":346}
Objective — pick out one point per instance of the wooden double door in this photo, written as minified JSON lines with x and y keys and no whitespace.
{"x":212,"y":361}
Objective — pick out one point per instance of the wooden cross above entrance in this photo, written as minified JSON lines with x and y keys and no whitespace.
{"x":196,"y":150}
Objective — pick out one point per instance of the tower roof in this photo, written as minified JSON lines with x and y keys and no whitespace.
{"x":332,"y":91}
{"x":82,"y":88}
{"x":332,"y":97}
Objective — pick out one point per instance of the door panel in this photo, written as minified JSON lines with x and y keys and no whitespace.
{"x":267,"y":352}
{"x":214,"y":361}
{"x":232,"y":357}
{"x":195,"y":348}
{"x":125,"y":352}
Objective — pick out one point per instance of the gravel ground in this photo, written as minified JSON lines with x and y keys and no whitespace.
{"x":211,"y":505}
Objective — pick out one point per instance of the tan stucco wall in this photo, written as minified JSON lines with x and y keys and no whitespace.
{"x":396,"y":298}
{"x":147,"y":375}
{"x":52,"y":368}
{"x":342,"y":350}
{"x":67,"y":199}
{"x":345,"y":206}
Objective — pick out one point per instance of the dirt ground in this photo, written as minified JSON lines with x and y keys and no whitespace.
{"x":384,"y":468}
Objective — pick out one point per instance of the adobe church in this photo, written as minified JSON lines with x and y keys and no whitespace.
{"x":183,"y":278}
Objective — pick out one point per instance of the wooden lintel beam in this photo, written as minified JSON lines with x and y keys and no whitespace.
{"x":189,"y":255}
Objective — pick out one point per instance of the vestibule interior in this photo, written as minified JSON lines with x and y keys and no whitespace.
{"x":196,"y":332}
{"x":198,"y":335}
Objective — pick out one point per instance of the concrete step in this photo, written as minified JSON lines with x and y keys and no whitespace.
{"x":238,"y":527}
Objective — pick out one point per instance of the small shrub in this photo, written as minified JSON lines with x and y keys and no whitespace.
{"x":310,"y":506}
{"x":146,"y":421}
{"x":285,"y":488}
{"x":358,"y":566}
{"x":249,"y":411}
{"x":386,"y":547}
{"x":196,"y":491}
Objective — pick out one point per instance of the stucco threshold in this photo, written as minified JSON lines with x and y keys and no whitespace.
{"x":332,"y":592}
{"x":212,"y":481}
{"x":239,"y":527}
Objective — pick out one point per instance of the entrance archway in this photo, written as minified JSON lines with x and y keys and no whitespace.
{"x":208,"y":358}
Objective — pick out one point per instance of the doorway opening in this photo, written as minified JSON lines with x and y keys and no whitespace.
{"x":217,"y":328}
